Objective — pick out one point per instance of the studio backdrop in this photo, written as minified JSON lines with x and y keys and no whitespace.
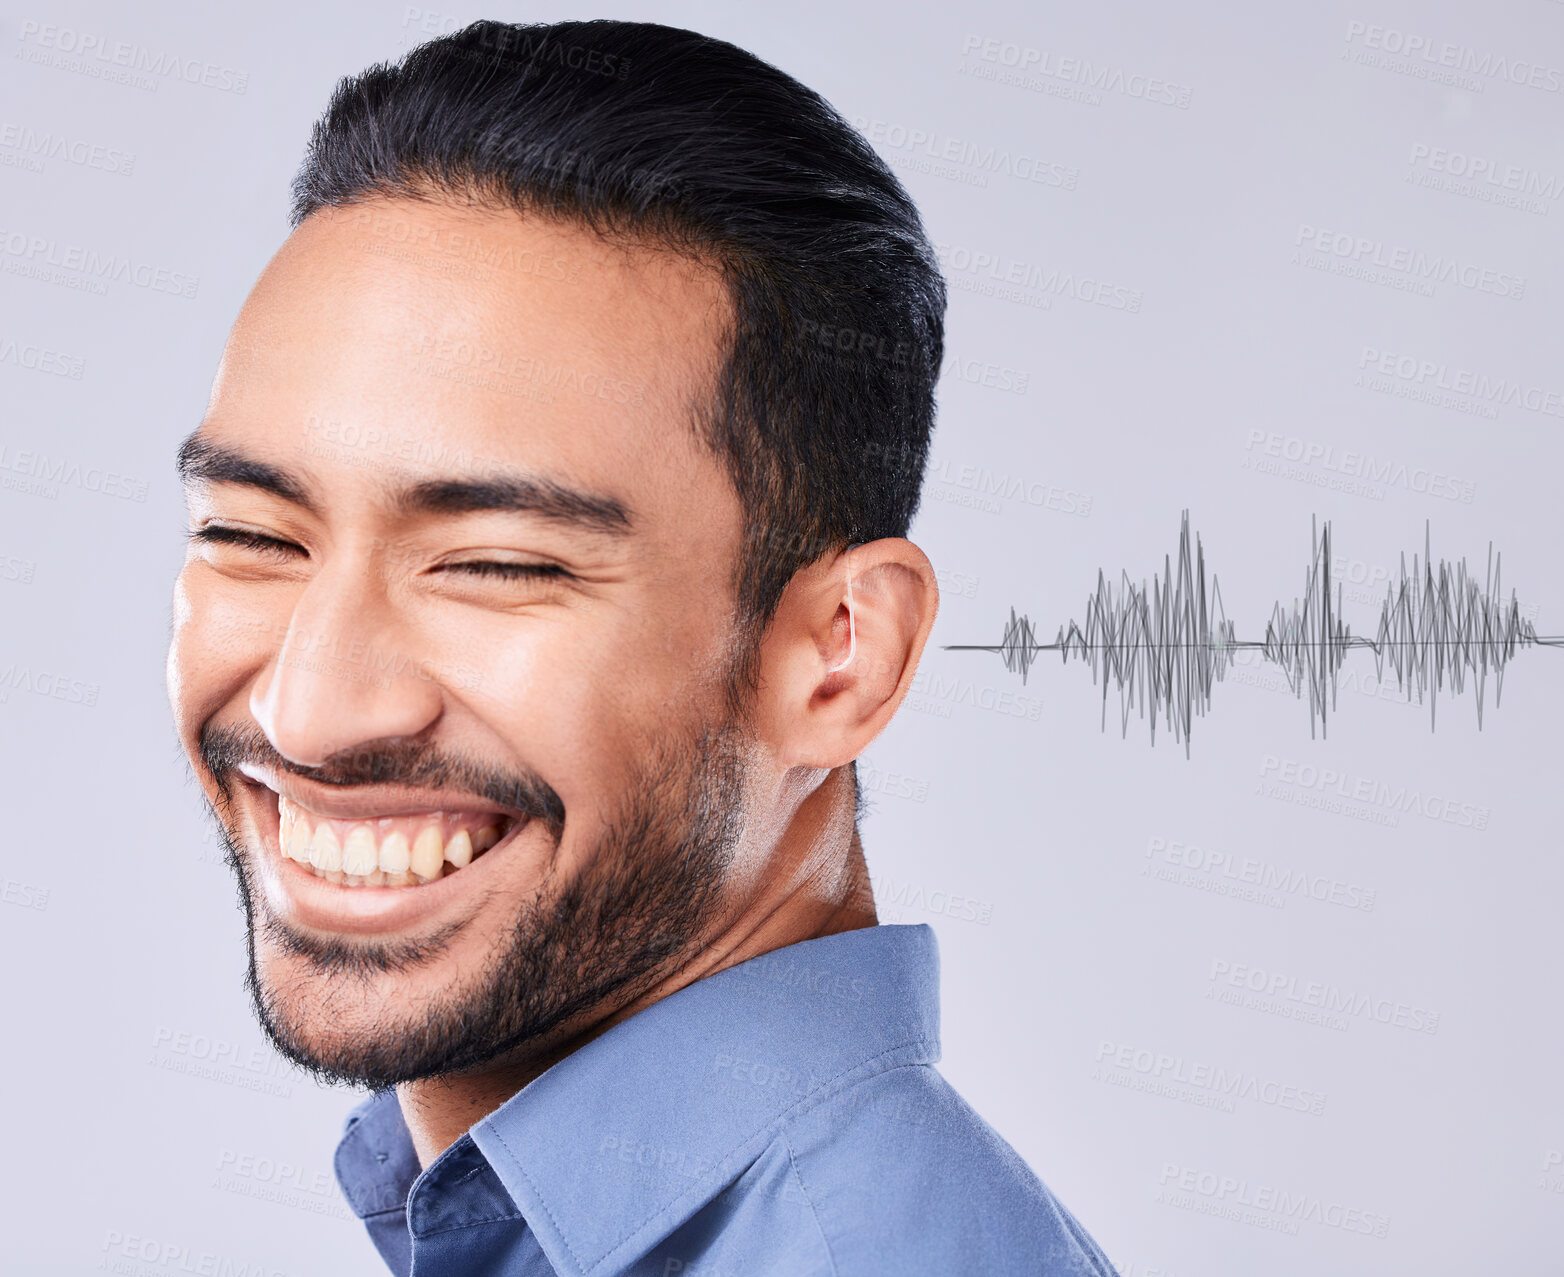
{"x":1229,"y":778}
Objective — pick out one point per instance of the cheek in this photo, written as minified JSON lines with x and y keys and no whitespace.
{"x":220,"y":641}
{"x":587,"y":706}
{"x":553,"y":698}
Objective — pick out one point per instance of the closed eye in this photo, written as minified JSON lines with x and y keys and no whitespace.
{"x":505,"y":571}
{"x":219,"y":534}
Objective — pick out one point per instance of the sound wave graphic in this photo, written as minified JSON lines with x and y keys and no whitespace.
{"x":1165,"y":645}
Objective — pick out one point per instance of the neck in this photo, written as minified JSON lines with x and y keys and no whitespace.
{"x":816,"y":884}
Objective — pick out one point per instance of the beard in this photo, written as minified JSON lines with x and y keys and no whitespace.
{"x":644,"y":899}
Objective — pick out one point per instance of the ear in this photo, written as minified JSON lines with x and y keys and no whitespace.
{"x":841,"y":651}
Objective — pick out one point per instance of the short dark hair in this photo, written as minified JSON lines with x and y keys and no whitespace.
{"x":825,"y":402}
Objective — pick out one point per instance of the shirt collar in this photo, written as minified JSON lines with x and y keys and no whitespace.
{"x":623,"y":1140}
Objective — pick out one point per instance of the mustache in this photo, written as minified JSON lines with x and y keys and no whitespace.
{"x":414,"y":763}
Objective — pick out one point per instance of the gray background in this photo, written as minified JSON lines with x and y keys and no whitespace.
{"x":150,"y":1127}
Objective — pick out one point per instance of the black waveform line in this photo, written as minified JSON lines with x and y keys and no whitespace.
{"x":1165,"y":645}
{"x":1311,"y":641}
{"x":1438,"y":629}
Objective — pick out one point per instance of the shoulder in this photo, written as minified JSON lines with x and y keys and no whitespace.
{"x":905,"y":1177}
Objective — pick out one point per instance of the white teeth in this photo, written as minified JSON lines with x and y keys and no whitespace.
{"x":298,"y":844}
{"x":359,"y":856}
{"x":428,"y":853}
{"x":375,"y":852}
{"x":325,"y":850}
{"x":395,"y":853}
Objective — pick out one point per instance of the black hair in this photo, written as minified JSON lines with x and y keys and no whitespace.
{"x":824,"y":404}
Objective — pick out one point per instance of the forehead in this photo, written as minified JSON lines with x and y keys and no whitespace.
{"x":395,"y":338}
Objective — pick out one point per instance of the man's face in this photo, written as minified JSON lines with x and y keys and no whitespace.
{"x":459,"y":589}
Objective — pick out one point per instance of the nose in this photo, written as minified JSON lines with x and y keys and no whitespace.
{"x":348,"y":672}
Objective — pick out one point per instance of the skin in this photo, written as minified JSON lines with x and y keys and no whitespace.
{"x":356,"y":630}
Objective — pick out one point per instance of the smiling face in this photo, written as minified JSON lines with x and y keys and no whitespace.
{"x":454,"y":645}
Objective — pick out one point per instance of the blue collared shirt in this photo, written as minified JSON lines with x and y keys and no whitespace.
{"x":781,"y":1118}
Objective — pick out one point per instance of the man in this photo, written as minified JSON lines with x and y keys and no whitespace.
{"x":547,"y":574}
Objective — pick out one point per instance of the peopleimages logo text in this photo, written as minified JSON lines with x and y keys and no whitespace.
{"x":1103,"y":77}
{"x":1239,"y":1192}
{"x":1456,"y":57}
{"x":1365,"y":466}
{"x":130,"y":57}
{"x":1330,"y":998}
{"x":1361,"y":250}
{"x":40,"y":251}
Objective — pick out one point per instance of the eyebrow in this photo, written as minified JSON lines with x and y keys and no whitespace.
{"x":202,"y":461}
